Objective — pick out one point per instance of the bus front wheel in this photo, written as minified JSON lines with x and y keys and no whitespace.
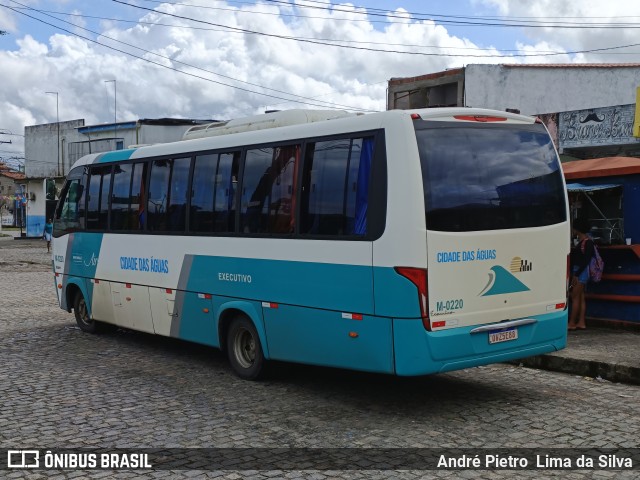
{"x":81,"y":311}
{"x":244,"y":349}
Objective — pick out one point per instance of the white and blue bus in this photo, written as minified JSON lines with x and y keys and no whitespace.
{"x":403,"y":242}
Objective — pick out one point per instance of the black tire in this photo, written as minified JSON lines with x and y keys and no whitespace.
{"x":81,"y":312}
{"x":244,"y":349}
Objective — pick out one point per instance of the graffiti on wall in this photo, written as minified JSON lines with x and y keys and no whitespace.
{"x":597,"y":126}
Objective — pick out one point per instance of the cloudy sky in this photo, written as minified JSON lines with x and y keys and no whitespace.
{"x":224,"y":59}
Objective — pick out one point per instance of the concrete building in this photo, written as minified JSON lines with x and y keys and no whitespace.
{"x":591,"y":110}
{"x":530,"y":88}
{"x":52,"y":149}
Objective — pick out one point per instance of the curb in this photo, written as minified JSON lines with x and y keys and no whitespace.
{"x":612,"y":372}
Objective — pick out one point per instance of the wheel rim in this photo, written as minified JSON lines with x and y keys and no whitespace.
{"x":244,"y":348}
{"x":83,"y":313}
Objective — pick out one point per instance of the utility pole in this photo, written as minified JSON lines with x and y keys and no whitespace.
{"x":115,"y":106}
{"x":60,"y":171}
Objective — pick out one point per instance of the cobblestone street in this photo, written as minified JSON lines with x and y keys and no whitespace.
{"x":62,"y":388}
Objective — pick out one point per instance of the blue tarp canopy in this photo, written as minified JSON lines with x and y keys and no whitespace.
{"x":579,"y":187}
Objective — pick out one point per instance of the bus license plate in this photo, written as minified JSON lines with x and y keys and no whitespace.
{"x":503,"y":336}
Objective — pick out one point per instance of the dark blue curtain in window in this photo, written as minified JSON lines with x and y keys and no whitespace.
{"x":362,"y":195}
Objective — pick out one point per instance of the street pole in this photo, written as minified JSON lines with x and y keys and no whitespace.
{"x":115,"y":105}
{"x":60,"y":170}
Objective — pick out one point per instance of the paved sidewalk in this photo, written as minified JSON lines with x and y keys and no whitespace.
{"x":608,"y":354}
{"x":9,"y":234}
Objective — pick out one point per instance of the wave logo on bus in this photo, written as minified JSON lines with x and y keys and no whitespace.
{"x":502,"y":281}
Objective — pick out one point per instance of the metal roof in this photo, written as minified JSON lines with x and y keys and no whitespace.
{"x":579,"y":187}
{"x":601,"y":167}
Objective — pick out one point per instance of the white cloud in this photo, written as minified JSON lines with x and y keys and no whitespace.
{"x":7,"y":22}
{"x":77,"y":20}
{"x":583,"y":36}
{"x":77,"y":68}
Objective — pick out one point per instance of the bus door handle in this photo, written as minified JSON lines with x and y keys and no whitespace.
{"x":501,"y":325}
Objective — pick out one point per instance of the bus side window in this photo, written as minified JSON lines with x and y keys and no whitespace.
{"x":203,"y":187}
{"x":98,"y":198}
{"x":158,"y":192}
{"x":177,"y":202}
{"x":213,"y":192}
{"x":69,"y":215}
{"x":226,"y":189}
{"x":121,"y":197}
{"x":268,"y":189}
{"x":167,"y":208}
{"x":137,"y":211}
{"x":336,"y":187}
{"x":283,"y":189}
{"x":256,"y":186}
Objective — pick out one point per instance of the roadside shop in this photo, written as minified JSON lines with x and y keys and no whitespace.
{"x":606,"y":191}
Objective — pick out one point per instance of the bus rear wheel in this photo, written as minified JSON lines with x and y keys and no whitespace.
{"x":244,"y":349}
{"x":81,"y":312}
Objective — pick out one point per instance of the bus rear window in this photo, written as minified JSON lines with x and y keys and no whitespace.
{"x":489,"y":177}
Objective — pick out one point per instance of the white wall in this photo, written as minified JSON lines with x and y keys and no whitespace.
{"x":150,"y":134}
{"x":536,"y":90}
{"x":142,"y":134}
{"x":41,"y":147}
{"x":36,"y":207}
{"x":41,"y":142}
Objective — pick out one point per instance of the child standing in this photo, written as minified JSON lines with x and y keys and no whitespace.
{"x":580,"y":259}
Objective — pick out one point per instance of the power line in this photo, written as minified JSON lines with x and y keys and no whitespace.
{"x":225,"y":29}
{"x":286,"y":37}
{"x":320,"y":41}
{"x":328,"y":4}
{"x":429,"y":16}
{"x":379,"y":12}
{"x":4,"y":131}
{"x":306,"y":102}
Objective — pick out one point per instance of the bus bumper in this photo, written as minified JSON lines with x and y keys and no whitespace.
{"x":420,"y":352}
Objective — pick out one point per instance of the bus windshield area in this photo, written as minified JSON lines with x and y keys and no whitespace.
{"x":489,"y":177}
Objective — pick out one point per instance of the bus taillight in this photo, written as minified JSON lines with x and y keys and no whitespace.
{"x":418,"y":276}
{"x":479,"y":118}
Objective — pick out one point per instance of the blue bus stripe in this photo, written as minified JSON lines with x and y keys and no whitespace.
{"x":114,"y":156}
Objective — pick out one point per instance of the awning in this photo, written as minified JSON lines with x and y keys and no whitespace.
{"x":579,"y":187}
{"x":601,"y":167}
